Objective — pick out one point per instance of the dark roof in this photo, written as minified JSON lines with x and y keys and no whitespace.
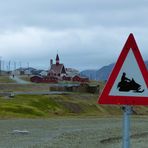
{"x":57,"y":68}
{"x":51,"y":71}
{"x":57,"y":57}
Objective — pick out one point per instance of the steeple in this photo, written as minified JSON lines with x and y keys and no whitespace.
{"x":51,"y":62}
{"x":57,"y":59}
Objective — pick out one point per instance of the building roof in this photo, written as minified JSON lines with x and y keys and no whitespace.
{"x":51,"y":71}
{"x":58,"y":68}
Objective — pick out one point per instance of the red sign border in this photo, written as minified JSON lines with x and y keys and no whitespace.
{"x":105,"y":98}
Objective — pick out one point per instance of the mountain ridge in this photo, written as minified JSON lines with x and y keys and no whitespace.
{"x":101,"y":74}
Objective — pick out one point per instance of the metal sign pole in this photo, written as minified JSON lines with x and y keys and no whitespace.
{"x":126,"y":126}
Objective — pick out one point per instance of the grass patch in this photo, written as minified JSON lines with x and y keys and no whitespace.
{"x":45,"y":106}
{"x":21,"y":109}
{"x":6,"y":79}
{"x":30,"y":106}
{"x":25,"y":77}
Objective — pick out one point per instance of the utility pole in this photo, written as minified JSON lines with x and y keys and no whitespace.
{"x":3,"y":65}
{"x":28,"y":65}
{"x":14,"y":70}
{"x":9,"y":65}
{"x":0,"y":65}
{"x":20,"y":64}
{"x":14,"y":65}
{"x":28,"y":69}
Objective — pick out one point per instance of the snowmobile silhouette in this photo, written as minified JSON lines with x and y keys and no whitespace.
{"x":126,"y":85}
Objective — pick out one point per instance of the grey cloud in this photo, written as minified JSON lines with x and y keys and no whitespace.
{"x":87,"y":33}
{"x":65,"y":14}
{"x":79,"y":47}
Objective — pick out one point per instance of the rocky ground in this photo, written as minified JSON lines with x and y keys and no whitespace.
{"x":71,"y":133}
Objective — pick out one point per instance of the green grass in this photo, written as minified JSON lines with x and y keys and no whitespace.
{"x":25,"y":77}
{"x":36,"y":106}
{"x":6,"y":79}
{"x":45,"y":106}
{"x":27,"y":105}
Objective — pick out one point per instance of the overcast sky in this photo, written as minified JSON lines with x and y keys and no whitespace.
{"x":87,"y":34}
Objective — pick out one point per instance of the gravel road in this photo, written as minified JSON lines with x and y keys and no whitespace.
{"x":19,"y":80}
{"x":70,"y":133}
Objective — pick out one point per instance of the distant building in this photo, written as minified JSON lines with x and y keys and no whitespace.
{"x":57,"y":69}
{"x":44,"y":73}
{"x":25,"y":71}
{"x":19,"y":71}
{"x":41,"y":79}
{"x":78,"y":78}
{"x":58,"y":72}
{"x":71,"y":72}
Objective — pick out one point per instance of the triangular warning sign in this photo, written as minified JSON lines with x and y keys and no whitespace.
{"x":128,"y":82}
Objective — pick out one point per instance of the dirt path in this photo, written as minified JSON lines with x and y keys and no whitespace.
{"x":71,"y":133}
{"x":19,"y":80}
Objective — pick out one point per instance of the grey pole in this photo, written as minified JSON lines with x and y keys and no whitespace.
{"x":126,"y":126}
{"x":0,"y":65}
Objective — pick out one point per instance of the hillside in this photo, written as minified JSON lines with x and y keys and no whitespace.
{"x":146,"y":63}
{"x":89,"y":73}
{"x":32,"y":106}
{"x":101,"y":74}
{"x":45,"y":106}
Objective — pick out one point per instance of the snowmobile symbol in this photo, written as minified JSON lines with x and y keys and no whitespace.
{"x":126,"y":85}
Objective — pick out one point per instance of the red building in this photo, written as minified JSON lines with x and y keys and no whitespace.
{"x":80,"y":79}
{"x":40,"y":79}
{"x":66,"y":78}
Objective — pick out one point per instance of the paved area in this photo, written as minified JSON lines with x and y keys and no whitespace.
{"x":71,"y":133}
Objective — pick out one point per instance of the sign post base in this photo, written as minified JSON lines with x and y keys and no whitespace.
{"x":126,"y":126}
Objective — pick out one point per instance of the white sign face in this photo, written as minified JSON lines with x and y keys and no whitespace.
{"x":130,"y":81}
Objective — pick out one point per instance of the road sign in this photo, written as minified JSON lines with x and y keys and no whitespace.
{"x":128,"y":82}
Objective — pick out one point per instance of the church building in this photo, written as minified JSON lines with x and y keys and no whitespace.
{"x":58,"y":72}
{"x":57,"y":69}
